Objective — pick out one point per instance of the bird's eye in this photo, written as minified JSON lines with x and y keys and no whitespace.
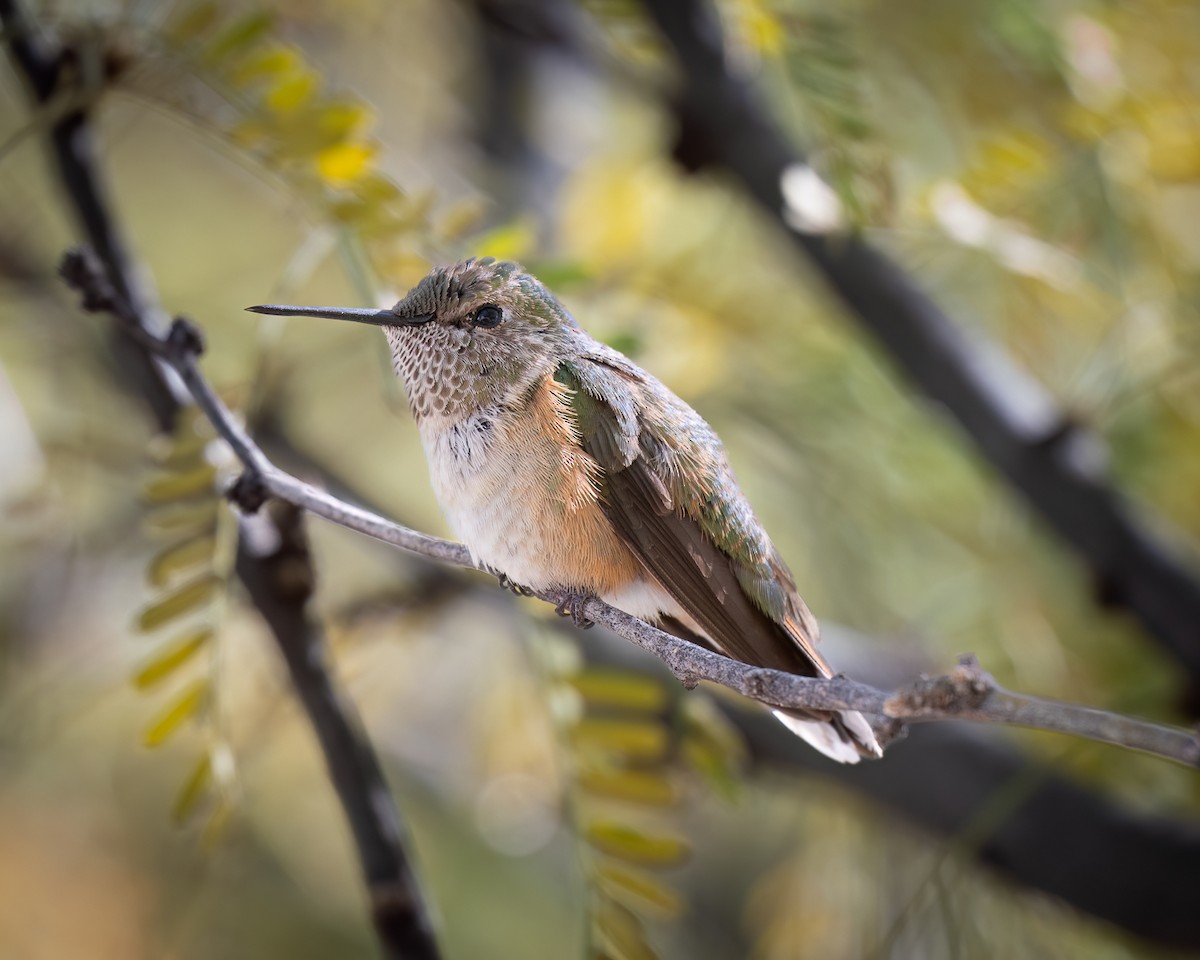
{"x":489,"y":315}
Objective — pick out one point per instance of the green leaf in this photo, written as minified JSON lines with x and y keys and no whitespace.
{"x":181,"y":709}
{"x":171,"y":657}
{"x":713,"y":747}
{"x":184,"y":600}
{"x":635,"y":739}
{"x":343,"y":163}
{"x":559,"y":274}
{"x":628,"y":342}
{"x":193,"y":790}
{"x":620,"y":932}
{"x":292,"y":91}
{"x":264,"y":65}
{"x":375,"y":205}
{"x":620,"y":689}
{"x":239,"y":36}
{"x":175,"y":519}
{"x":340,"y":120}
{"x":215,"y":828}
{"x":183,"y":448}
{"x":627,"y":843}
{"x":639,"y":890}
{"x":642,"y":787}
{"x":179,"y":486}
{"x":180,"y":556}
{"x":509,"y":241}
{"x":712,"y":765}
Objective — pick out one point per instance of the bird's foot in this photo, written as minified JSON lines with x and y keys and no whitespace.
{"x":572,"y":606}
{"x":512,"y":586}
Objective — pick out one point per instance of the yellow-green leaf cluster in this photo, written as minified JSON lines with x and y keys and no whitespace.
{"x":184,"y":513}
{"x":318,"y":140}
{"x":632,"y":740}
{"x":819,"y":53}
{"x":627,"y":785}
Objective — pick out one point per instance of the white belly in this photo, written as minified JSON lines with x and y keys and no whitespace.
{"x":523,"y":505}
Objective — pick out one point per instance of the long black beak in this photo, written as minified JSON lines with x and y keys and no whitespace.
{"x":380,"y":318}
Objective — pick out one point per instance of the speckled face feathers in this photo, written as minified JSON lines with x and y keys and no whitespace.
{"x":495,"y":330}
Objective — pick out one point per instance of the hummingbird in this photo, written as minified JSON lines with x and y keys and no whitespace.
{"x":563,"y":465}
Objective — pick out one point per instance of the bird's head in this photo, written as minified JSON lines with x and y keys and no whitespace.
{"x":466,"y":336}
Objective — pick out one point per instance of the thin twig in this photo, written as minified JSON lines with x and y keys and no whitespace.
{"x":279,"y":582}
{"x":967,"y":693}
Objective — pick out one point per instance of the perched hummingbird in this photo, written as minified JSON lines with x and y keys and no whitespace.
{"x":562,"y":464}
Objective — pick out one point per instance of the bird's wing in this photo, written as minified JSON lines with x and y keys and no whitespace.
{"x":668,"y":491}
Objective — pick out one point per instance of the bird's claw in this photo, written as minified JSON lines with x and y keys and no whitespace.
{"x":512,"y":586}
{"x":572,"y":606}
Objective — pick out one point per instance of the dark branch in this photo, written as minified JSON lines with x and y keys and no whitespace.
{"x":1014,"y":423}
{"x":280,"y":585}
{"x":280,"y":582}
{"x":44,"y":67}
{"x":1131,"y":868}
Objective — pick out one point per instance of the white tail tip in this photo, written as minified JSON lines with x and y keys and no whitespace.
{"x":824,"y":736}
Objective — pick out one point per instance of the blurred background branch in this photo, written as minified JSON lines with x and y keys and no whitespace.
{"x":1054,"y":462}
{"x":280,"y":578}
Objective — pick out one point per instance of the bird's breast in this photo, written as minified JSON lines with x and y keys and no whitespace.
{"x":521,"y":493}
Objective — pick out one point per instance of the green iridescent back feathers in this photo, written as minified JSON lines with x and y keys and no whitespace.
{"x":669,"y":490}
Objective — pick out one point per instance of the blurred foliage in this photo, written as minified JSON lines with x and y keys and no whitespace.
{"x":632,"y":744}
{"x":1036,"y":166}
{"x":191,"y":571}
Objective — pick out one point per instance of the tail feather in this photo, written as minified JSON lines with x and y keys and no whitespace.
{"x":846,"y":737}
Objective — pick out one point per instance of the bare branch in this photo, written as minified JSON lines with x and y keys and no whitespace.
{"x":1019,"y":815}
{"x":965,"y":694}
{"x":279,"y":583}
